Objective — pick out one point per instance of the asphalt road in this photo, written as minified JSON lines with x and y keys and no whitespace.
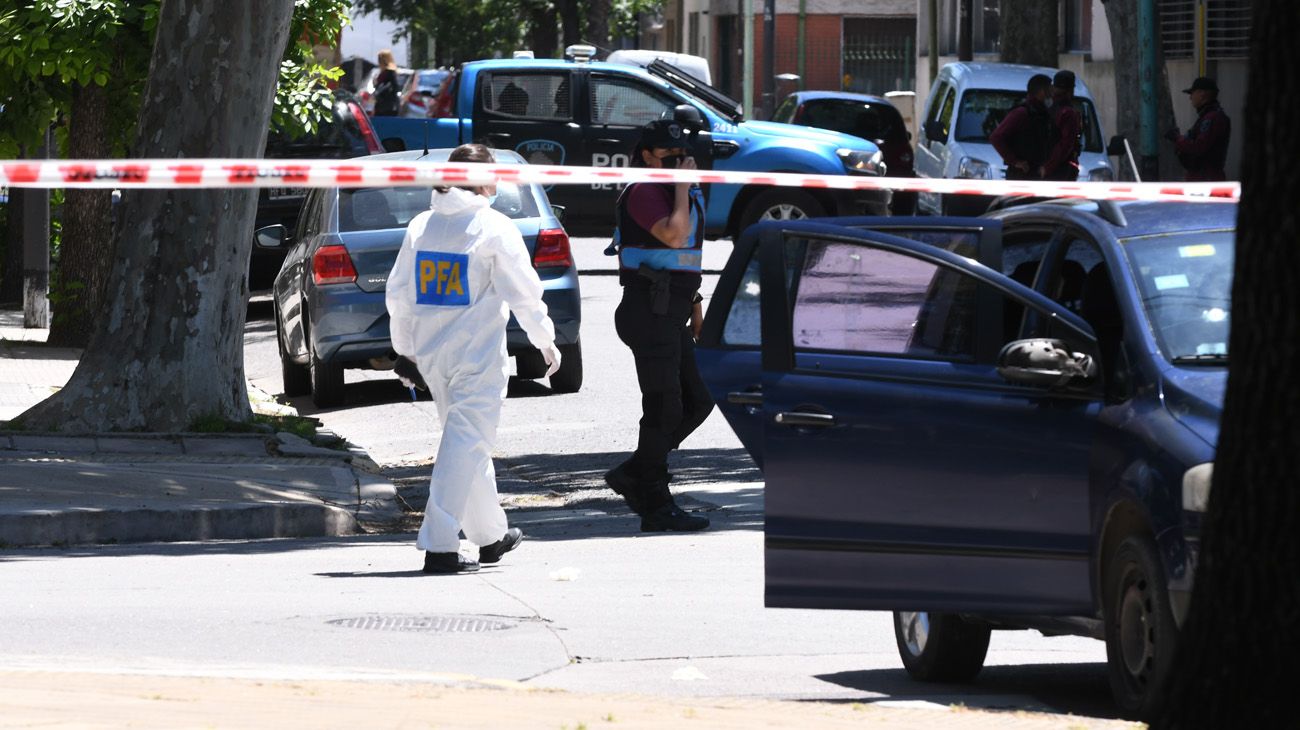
{"x":586,"y":604}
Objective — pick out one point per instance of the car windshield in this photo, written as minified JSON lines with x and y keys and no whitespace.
{"x":1185,"y":280}
{"x":982,"y":110}
{"x":858,"y":118}
{"x":374,"y":209}
{"x":430,"y":79}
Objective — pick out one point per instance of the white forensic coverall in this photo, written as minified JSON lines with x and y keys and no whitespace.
{"x":462,"y":268}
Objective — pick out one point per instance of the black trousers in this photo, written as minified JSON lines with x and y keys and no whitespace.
{"x":674,"y":401}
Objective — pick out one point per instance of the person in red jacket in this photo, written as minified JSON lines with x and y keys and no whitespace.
{"x":1024,"y":137}
{"x":1067,"y":127}
{"x":1203,"y":151}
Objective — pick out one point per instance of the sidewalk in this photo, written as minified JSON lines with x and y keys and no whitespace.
{"x":114,"y":488}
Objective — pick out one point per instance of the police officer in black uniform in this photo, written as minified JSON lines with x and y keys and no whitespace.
{"x":1024,"y":137}
{"x":1203,"y":151}
{"x":659,"y":235}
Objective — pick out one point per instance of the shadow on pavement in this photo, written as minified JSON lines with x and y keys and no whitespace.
{"x":1076,"y":689}
{"x":215,"y":547}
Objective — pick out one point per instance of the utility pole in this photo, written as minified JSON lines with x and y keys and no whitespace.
{"x":36,"y":251}
{"x":769,"y":57}
{"x":965,"y":31}
{"x":934,"y":40}
{"x":747,"y":66}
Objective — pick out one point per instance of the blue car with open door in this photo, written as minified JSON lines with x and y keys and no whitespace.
{"x":1002,"y":422}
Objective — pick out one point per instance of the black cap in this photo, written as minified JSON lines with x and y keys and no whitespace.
{"x":1202,"y":83}
{"x":663,"y":133}
{"x":1064,"y":79}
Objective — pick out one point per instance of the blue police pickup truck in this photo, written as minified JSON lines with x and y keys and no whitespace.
{"x":583,"y":112}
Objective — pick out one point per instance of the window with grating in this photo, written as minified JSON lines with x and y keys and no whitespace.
{"x":1177,"y":28}
{"x":1227,"y":29}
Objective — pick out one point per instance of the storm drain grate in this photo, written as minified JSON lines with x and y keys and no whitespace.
{"x":438,"y":624}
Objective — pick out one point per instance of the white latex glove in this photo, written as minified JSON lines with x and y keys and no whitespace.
{"x":406,"y":383}
{"x":552,"y":358}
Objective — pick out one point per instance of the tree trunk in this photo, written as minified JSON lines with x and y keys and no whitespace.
{"x":571,"y":20}
{"x":1241,"y":640}
{"x":11,"y":277}
{"x":598,"y":23}
{"x":1121,"y":18}
{"x":543,"y":33}
{"x":1029,"y":32}
{"x":86,"y":252}
{"x":169,"y":346}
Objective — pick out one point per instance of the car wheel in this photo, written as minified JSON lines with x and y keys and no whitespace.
{"x":326,"y":383}
{"x":780,"y":205}
{"x":1140,"y":630}
{"x":568,"y":379}
{"x":940,"y":647}
{"x":296,"y":378}
{"x":529,"y":364}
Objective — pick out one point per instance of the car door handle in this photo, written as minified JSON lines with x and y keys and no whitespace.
{"x":804,"y":419}
{"x":745,"y":398}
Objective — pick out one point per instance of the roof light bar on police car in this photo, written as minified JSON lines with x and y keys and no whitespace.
{"x":580,"y":52}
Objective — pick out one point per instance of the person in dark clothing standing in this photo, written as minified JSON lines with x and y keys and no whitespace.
{"x":1067,"y":128}
{"x":1203,"y":151}
{"x":387,"y":100}
{"x":659,"y":235}
{"x":1024,"y":137}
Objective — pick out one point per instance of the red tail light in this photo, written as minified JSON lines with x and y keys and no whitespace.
{"x":332,"y":265}
{"x":367,"y":131}
{"x":552,"y":249}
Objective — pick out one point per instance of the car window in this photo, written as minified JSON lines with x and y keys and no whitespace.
{"x":982,"y":110}
{"x":529,"y":95}
{"x":1185,"y":281}
{"x":945,"y":114}
{"x":743,"y":326}
{"x":961,"y":242}
{"x":936,"y":102}
{"x":372,"y":209}
{"x":309,"y":217}
{"x":622,"y":102}
{"x":785,"y":112}
{"x":860,"y":119}
{"x":852,"y":298}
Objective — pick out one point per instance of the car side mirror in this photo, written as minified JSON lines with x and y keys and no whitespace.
{"x":558,"y":210}
{"x":1045,"y":363}
{"x":724,"y":148}
{"x":394,"y":144}
{"x":934,"y":131}
{"x":1116,"y":146}
{"x":270,"y":236}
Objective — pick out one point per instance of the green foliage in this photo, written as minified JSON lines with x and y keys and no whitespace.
{"x":303,"y":96}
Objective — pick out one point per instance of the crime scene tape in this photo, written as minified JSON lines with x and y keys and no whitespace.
{"x":361,"y":172}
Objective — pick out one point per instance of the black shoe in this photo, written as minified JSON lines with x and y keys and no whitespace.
{"x":671,"y":518}
{"x":448,"y":563}
{"x":621,"y":480}
{"x":492,"y":553}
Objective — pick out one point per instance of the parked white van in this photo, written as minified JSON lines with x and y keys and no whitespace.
{"x":966,"y":103}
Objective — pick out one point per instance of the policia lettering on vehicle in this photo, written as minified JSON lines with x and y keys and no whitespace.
{"x":1024,"y":138}
{"x":659,"y":234}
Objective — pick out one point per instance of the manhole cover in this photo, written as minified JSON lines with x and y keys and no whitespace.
{"x":440,"y":624}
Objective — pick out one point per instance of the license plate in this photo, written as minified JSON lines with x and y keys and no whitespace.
{"x":285,"y":193}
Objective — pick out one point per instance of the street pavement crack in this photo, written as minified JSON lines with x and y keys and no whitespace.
{"x":568,"y":655}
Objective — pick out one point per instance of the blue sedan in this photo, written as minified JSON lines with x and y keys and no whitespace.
{"x":1002,"y":422}
{"x":329,"y":295}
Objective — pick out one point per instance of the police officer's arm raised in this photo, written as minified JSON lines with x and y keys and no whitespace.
{"x":675,"y":229}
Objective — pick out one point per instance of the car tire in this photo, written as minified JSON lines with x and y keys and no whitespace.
{"x":326,"y":383}
{"x":940,"y":647}
{"x":780,"y":204}
{"x":295,"y":378}
{"x":568,"y":379}
{"x":530,"y":365}
{"x":1141,"y":634}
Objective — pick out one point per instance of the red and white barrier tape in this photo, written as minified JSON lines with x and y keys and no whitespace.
{"x":361,"y":172}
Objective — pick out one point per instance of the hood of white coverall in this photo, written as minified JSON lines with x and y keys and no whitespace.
{"x":462,"y":268}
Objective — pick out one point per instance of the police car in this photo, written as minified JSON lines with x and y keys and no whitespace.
{"x":590,"y":113}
